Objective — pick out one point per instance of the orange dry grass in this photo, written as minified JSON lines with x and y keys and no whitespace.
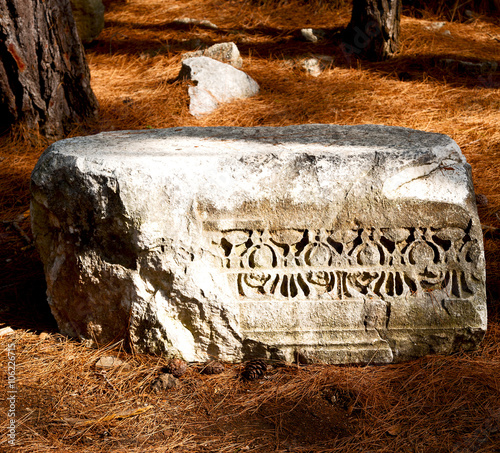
{"x":435,"y":404}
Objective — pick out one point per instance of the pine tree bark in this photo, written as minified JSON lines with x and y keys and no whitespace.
{"x":44,"y":76}
{"x":373,"y":32}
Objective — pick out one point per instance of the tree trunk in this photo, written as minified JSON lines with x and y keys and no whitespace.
{"x":44,"y":77}
{"x":373,"y":32}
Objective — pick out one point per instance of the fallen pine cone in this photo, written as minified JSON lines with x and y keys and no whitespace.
{"x":213,"y":367}
{"x":254,"y":369}
{"x":176,"y":367}
{"x":346,"y":399}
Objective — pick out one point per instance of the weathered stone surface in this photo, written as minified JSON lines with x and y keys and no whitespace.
{"x":312,"y":66}
{"x":330,"y":243}
{"x":225,"y":52}
{"x":311,"y":35}
{"x":89,"y":18}
{"x":216,"y":83}
{"x":308,"y":35}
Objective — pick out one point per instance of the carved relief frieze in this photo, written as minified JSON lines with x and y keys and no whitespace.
{"x":379,"y":263}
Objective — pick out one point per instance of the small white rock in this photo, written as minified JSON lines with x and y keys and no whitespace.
{"x":108,"y":362}
{"x":6,"y":331}
{"x":434,"y":26}
{"x":216,"y":83}
{"x":312,"y":66}
{"x":308,"y":35}
{"x":225,"y":52}
{"x":43,"y":336}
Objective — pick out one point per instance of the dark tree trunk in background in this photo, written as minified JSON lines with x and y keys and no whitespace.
{"x":44,"y":77}
{"x":373,"y":32}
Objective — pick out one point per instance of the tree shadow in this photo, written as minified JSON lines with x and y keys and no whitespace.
{"x":179,"y":25}
{"x":278,"y":39}
{"x":460,"y":71}
{"x":23,"y":300}
{"x":446,"y":69}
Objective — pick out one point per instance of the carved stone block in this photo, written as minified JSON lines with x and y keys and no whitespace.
{"x":342,"y":244}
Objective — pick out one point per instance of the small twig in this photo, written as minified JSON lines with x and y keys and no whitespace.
{"x":489,"y":227}
{"x":475,"y":141}
{"x":107,"y":418}
{"x":8,"y":286}
{"x":493,"y":37}
{"x":105,"y":376}
{"x":19,"y":230}
{"x":454,"y":10}
{"x":457,"y":7}
{"x":242,"y":5}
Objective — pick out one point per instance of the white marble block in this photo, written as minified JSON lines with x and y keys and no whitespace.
{"x":338,"y":244}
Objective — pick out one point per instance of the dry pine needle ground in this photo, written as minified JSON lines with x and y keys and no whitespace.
{"x":434,"y":404}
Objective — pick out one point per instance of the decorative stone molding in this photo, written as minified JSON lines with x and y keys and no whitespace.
{"x":378,"y":263}
{"x":343,"y":244}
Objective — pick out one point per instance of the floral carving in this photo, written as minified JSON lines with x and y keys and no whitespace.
{"x":367,"y":262}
